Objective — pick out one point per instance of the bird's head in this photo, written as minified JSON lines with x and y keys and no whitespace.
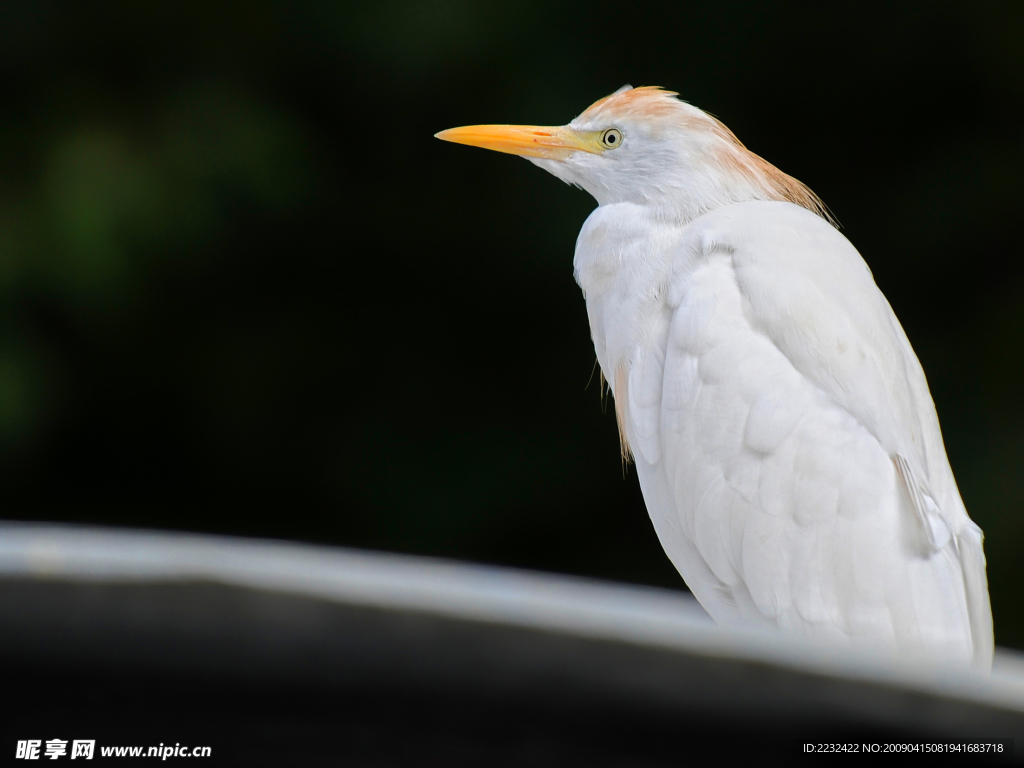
{"x":645,"y":146}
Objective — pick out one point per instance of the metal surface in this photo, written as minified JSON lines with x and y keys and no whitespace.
{"x":468,"y":662}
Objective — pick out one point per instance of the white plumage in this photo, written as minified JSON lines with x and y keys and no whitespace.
{"x":783,"y":432}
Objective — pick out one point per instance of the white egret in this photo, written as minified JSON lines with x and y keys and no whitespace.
{"x":783,"y":432}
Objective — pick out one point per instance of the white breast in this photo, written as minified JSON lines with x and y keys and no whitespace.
{"x":784,"y":438}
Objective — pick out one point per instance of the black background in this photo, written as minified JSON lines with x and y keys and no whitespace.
{"x":243,"y":289}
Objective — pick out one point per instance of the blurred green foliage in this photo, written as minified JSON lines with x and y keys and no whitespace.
{"x":243,"y":289}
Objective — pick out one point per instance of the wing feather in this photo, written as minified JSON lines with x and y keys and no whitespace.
{"x":788,"y":448}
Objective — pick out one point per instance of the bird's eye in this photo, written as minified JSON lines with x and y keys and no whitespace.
{"x":611,"y":138}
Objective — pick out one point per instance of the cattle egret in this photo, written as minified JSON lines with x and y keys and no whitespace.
{"x":783,"y":432}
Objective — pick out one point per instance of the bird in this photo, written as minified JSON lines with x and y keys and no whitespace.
{"x":781,"y":426}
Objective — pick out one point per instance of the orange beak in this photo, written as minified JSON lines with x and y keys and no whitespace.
{"x":550,"y":143}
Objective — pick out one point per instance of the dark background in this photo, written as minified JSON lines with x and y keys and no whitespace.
{"x":243,"y":289}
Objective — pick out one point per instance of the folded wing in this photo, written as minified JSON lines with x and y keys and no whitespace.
{"x":788,"y":447}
